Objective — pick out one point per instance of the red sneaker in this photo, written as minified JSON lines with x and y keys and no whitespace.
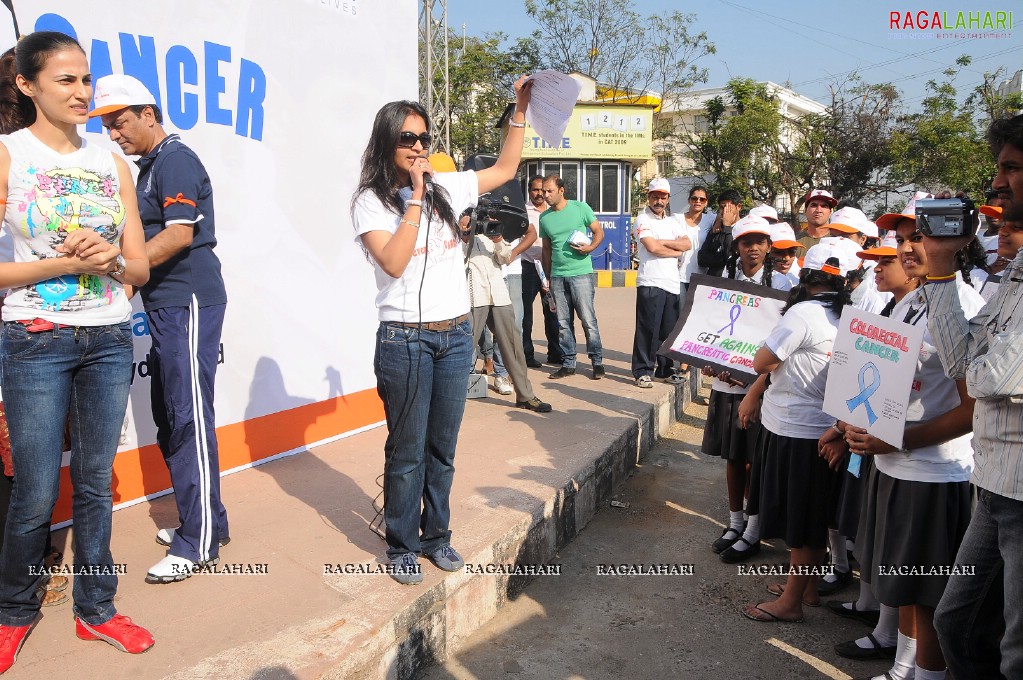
{"x":11,"y":640}
{"x":118,"y":631}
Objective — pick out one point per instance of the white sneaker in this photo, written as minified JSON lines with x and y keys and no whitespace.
{"x":503,"y":385}
{"x":170,"y":569}
{"x":165,"y":536}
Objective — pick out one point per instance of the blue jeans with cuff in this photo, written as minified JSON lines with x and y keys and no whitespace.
{"x":422,"y":378}
{"x":81,"y":374}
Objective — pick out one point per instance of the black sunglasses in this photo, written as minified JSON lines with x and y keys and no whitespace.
{"x":407,"y":140}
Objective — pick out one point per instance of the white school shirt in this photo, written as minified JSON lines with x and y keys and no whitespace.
{"x":687,"y":264}
{"x":654,"y":270}
{"x":777,"y":283}
{"x":802,"y":340}
{"x":445,"y":294}
{"x":932,"y":395}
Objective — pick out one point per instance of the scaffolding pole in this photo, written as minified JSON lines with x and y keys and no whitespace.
{"x":433,"y":70}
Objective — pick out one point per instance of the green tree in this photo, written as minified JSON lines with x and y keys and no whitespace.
{"x":481,"y":74}
{"x":942,"y":146}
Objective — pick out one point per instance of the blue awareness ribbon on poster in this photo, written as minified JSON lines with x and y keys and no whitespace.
{"x":866,"y":391}
{"x":855,"y":460}
{"x":733,"y":316}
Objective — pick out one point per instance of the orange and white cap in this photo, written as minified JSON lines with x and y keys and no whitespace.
{"x":118,"y":91}
{"x":889,"y":220}
{"x":782,"y":236}
{"x":765,"y":211}
{"x":751,"y":224}
{"x":888,"y":248}
{"x":833,"y":255}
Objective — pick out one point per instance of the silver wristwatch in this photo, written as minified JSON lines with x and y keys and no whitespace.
{"x":121,"y":267}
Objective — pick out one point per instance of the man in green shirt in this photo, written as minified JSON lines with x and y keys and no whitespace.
{"x":566,"y":260}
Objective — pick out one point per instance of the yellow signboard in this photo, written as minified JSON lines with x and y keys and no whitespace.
{"x":609,"y":131}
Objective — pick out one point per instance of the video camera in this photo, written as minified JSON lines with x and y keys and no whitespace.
{"x":491,"y":218}
{"x":946,"y":217}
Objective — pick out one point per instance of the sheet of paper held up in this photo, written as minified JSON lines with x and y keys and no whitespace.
{"x":551,"y":103}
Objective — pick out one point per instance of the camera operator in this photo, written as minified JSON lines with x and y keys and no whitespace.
{"x":988,"y":352}
{"x":489,"y":297}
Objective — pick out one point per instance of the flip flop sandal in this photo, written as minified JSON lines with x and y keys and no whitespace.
{"x":58,"y":583}
{"x":50,"y":598}
{"x":764,"y":616}
{"x":777,"y":589}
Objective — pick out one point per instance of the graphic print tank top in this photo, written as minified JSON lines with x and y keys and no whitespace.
{"x":50,"y":195}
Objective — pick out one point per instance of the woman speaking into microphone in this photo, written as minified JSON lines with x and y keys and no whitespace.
{"x":405,"y":219}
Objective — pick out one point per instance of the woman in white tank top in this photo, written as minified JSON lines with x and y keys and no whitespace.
{"x":67,"y":346}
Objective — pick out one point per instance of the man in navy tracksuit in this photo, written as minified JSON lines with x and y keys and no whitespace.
{"x":185,"y":301}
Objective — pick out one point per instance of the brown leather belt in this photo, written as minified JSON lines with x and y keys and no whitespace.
{"x":445,"y":325}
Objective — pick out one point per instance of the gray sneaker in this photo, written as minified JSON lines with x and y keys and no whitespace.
{"x":446,"y":558}
{"x":405,"y":569}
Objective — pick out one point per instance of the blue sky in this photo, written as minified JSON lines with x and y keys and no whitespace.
{"x":807,"y":43}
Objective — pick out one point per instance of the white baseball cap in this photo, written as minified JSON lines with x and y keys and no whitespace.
{"x":659,"y":184}
{"x":850,"y":221}
{"x":822,"y":195}
{"x":765,"y":211}
{"x":782,"y":236}
{"x":841,"y":250}
{"x":751,"y":224}
{"x":119,"y":91}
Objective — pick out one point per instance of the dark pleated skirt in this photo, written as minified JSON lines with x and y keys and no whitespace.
{"x":910,"y":524}
{"x":793,"y":490}
{"x":723,"y":437}
{"x":850,"y":499}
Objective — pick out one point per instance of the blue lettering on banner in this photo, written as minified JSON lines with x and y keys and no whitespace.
{"x":538,"y":143}
{"x":140,"y":324}
{"x":181,"y":73}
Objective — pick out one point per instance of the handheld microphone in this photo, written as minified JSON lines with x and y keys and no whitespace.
{"x":427,"y":178}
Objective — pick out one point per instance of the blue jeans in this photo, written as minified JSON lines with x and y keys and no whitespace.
{"x":968,"y":617}
{"x":83,"y":373}
{"x":422,"y":380}
{"x":576,"y":293}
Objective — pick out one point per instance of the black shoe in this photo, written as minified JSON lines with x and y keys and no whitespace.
{"x":562,"y":373}
{"x":535,"y":404}
{"x":868,"y":617}
{"x":732,"y":556}
{"x":533,"y":363}
{"x":598,"y":371}
{"x":851,"y":650}
{"x":724,"y":542}
{"x":826,"y":588}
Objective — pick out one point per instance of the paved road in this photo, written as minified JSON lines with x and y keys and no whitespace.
{"x":582,"y":625}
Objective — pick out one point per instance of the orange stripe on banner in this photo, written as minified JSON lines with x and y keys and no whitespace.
{"x":142,"y":472}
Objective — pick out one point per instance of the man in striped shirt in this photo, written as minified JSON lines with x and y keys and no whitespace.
{"x":988,"y":352}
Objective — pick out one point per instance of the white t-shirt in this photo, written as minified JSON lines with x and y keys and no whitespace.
{"x":932,"y":395}
{"x":654,"y":270}
{"x":792,"y":276}
{"x":687,"y":264}
{"x":867,"y":297}
{"x":445,"y":294}
{"x":50,"y":195}
{"x":803,"y":340}
{"x":534,"y":252}
{"x":777,"y":283}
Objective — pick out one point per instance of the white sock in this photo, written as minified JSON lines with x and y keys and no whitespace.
{"x":745,"y":514}
{"x":839,"y":558}
{"x":887,"y":630}
{"x":751,"y":535}
{"x":850,"y":546}
{"x":904,"y":667}
{"x":735,"y":521}
{"x":867,"y":602}
{"x":924,"y":674}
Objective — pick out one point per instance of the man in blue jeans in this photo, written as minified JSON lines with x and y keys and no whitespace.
{"x":566,"y":260}
{"x":185,"y":301}
{"x":988,"y":352}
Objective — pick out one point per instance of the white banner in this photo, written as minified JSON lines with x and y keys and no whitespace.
{"x":277,"y":99}
{"x":871,"y":372}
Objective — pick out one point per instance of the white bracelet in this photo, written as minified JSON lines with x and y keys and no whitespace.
{"x":516,"y":125}
{"x":414,"y":201}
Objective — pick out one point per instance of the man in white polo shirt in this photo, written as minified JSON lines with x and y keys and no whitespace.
{"x":661,"y":239}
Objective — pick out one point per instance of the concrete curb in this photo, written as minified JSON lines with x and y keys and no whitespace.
{"x":616,"y":279}
{"x":438,"y":622}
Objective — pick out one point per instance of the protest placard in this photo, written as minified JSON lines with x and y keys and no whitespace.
{"x":871,"y":372}
{"x":723,"y":323}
